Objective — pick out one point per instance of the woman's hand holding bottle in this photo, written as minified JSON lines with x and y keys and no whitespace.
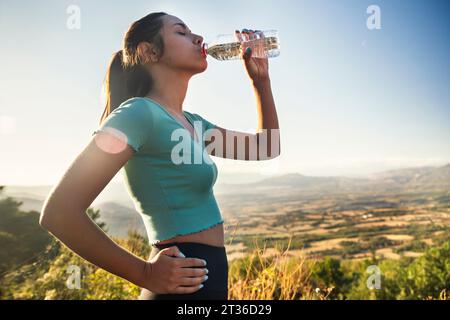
{"x":257,"y":68}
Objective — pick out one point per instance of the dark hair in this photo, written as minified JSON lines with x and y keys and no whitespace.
{"x":126,"y":77}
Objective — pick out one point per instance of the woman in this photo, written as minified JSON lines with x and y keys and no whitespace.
{"x":145,"y":87}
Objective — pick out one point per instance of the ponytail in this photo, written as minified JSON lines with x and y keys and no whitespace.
{"x":122,"y":83}
{"x":128,"y":79}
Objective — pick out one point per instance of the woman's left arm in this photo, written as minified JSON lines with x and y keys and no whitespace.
{"x":265,"y":144}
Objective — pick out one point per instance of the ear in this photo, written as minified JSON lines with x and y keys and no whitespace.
{"x":147,"y":52}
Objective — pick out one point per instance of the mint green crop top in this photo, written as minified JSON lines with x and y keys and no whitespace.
{"x":172,"y":197}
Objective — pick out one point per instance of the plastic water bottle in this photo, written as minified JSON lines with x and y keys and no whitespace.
{"x":264,"y":44}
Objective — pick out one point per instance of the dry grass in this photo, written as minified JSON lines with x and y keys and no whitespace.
{"x":274,"y":276}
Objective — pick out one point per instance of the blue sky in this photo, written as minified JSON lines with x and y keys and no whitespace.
{"x":350,"y":100}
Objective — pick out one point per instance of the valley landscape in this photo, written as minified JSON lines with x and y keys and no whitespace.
{"x":390,"y":214}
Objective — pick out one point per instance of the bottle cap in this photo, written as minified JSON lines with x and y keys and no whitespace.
{"x":205,"y":49}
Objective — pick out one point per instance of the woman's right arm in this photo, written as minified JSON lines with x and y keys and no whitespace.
{"x":64,"y":215}
{"x":64,"y":211}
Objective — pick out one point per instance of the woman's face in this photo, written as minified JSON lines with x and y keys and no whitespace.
{"x":182,"y":48}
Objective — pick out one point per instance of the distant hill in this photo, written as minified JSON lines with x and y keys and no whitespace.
{"x":408,"y":179}
{"x":392,"y":180}
{"x":29,"y":204}
{"x":420,"y":177}
{"x":119,"y":219}
{"x":29,"y":192}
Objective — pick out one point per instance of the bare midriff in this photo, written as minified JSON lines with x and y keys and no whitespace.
{"x":213,"y":236}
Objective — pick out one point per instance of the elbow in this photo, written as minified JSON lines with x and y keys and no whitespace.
{"x":47,"y":216}
{"x":44,"y":219}
{"x":56,"y":217}
{"x":50,"y":218}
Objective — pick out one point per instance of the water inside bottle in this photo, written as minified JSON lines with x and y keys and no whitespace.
{"x":265,"y":47}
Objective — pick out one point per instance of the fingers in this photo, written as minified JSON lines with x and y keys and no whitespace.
{"x":192,"y":262}
{"x":184,"y":290}
{"x":172,"y":251}
{"x":185,"y":262}
{"x":238,"y":36}
{"x":241,"y":37}
{"x":260,"y":34}
{"x":176,"y":274}
{"x":192,"y":272}
{"x":192,"y":281}
{"x":247,"y":53}
{"x":247,"y":34}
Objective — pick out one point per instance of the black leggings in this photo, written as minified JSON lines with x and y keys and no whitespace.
{"x":215,"y":288}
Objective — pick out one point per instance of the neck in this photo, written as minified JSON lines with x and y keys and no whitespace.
{"x":169,"y":88}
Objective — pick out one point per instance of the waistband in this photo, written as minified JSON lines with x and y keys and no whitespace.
{"x":187,"y":244}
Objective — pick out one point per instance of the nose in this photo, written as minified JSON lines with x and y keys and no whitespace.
{"x":199,"y":40}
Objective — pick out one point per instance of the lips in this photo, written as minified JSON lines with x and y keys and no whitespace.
{"x":204,"y":49}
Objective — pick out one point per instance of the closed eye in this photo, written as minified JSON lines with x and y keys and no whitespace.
{"x":181,"y":33}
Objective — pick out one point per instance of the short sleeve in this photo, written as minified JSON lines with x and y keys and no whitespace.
{"x":131,"y":121}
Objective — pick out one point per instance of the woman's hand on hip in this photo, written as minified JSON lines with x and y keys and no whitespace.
{"x":168,"y":272}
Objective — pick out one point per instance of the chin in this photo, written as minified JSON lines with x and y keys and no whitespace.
{"x":198,"y":67}
{"x":205,"y":65}
{"x":202,"y":67}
